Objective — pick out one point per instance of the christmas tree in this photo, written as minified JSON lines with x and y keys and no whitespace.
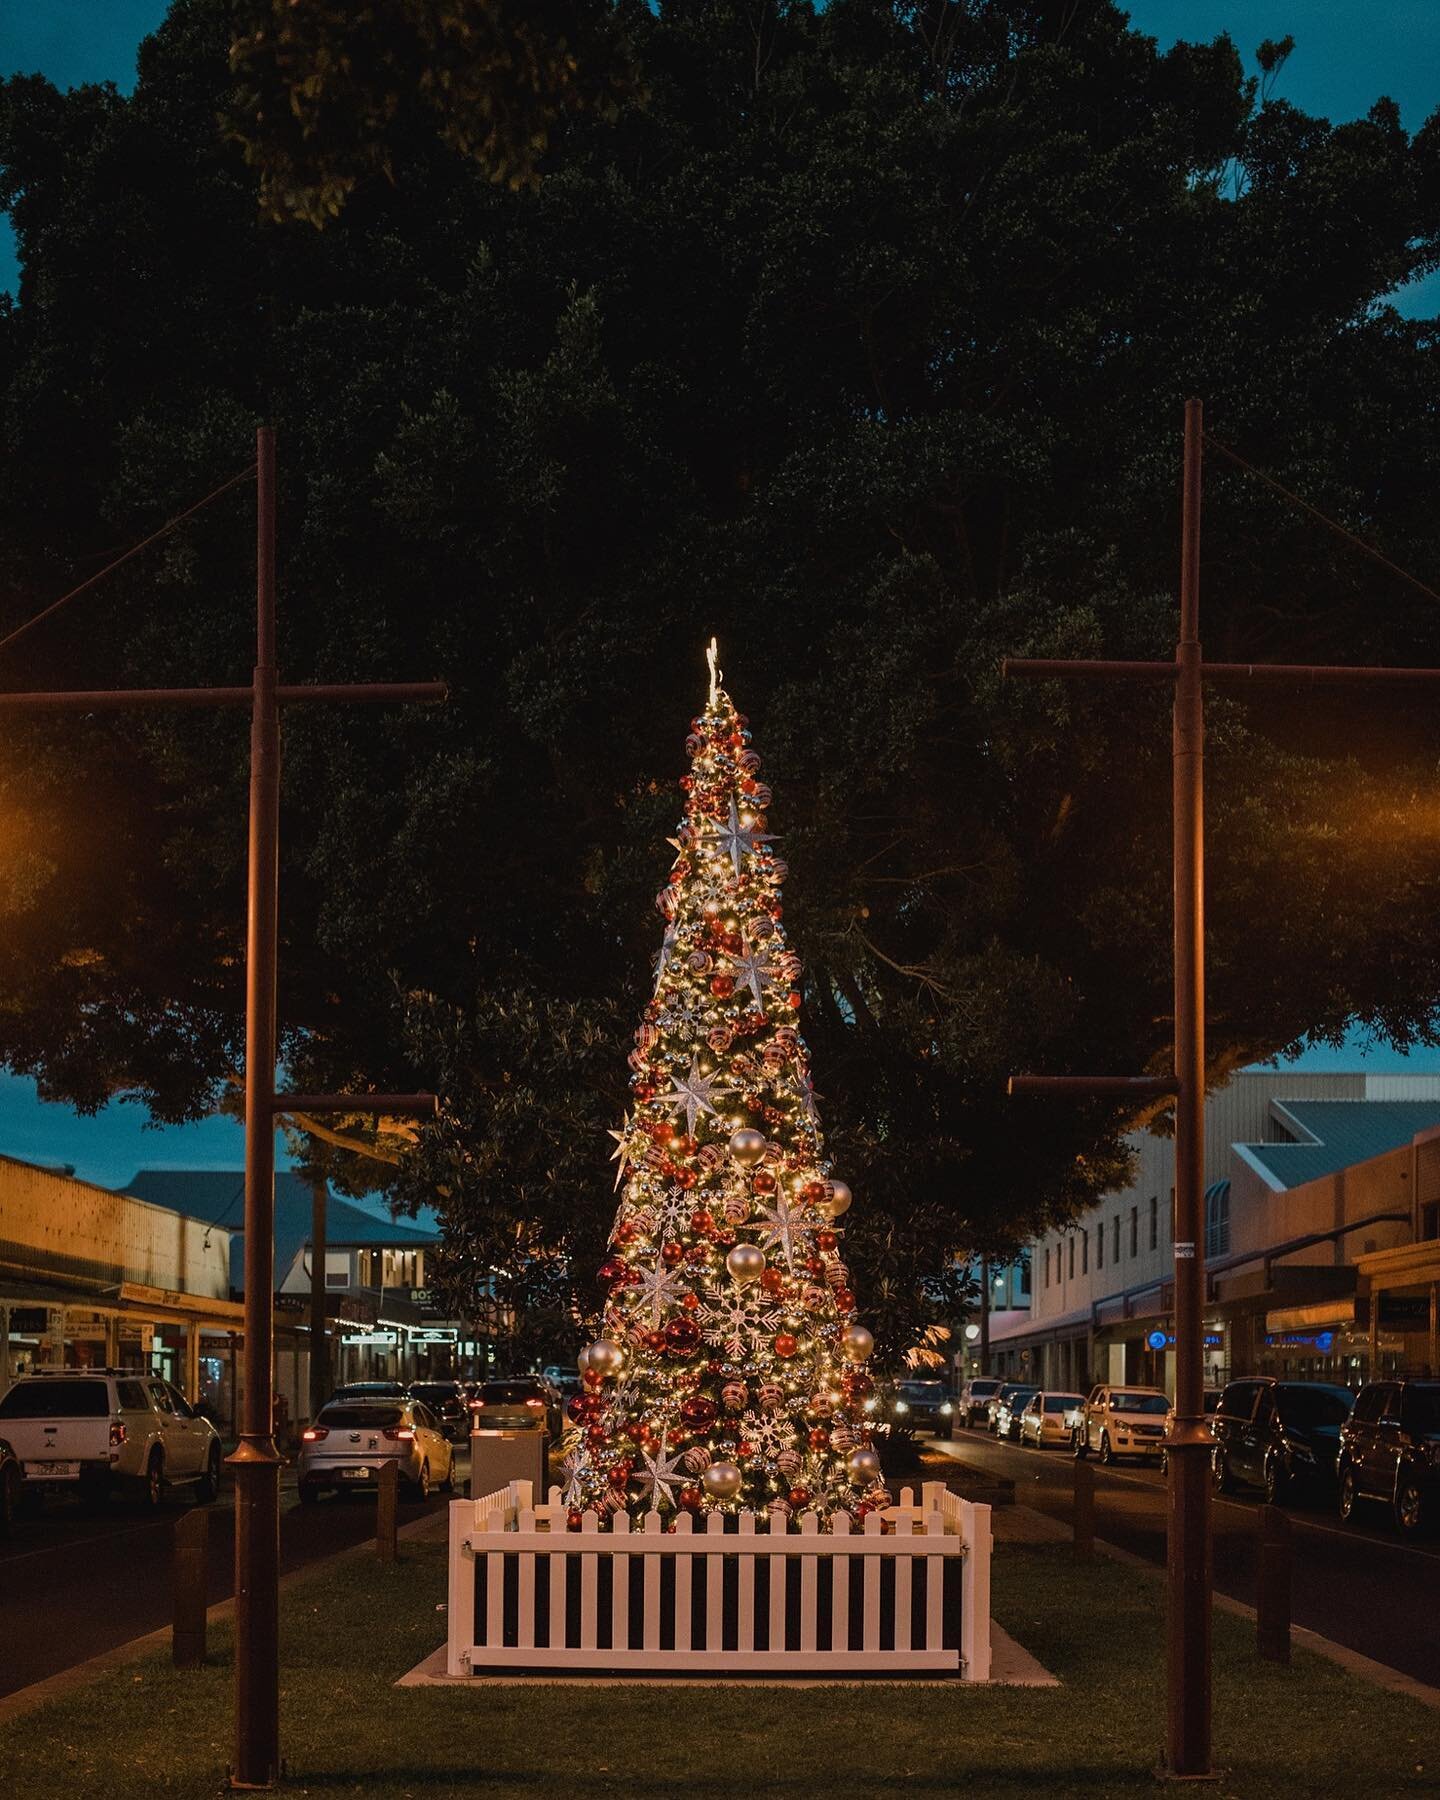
{"x":730,"y":1368}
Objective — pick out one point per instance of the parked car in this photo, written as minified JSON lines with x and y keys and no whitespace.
{"x":370,"y":1390}
{"x":973,"y":1406}
{"x":1013,"y":1402}
{"x":1000,"y":1398}
{"x":518,"y":1403}
{"x":1390,"y":1451}
{"x":450,"y":1404}
{"x":924,"y":1406}
{"x":1049,"y":1418}
{"x":1122,"y":1421}
{"x":1282,"y":1436}
{"x":10,"y":1479}
{"x":99,"y":1432}
{"x":351,"y":1440}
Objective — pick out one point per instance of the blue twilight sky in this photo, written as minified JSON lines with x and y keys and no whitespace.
{"x":1348,"y":53}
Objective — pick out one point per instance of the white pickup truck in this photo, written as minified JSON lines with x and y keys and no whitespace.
{"x":92,"y":1433}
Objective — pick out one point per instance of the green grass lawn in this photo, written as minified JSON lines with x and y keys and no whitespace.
{"x":1305,"y":1733}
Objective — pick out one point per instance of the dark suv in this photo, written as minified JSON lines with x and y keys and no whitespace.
{"x":450,"y":1404}
{"x":1282,"y":1436}
{"x":1390,"y":1451}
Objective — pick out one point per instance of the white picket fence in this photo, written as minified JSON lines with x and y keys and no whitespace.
{"x":527,"y":1594}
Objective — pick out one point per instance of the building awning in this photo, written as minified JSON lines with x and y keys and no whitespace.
{"x":1025,"y":1329}
{"x":1407,"y":1265}
{"x":1320,"y":1315}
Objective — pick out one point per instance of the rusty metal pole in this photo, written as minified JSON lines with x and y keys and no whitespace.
{"x":256,"y":1462}
{"x":1188,"y":1626}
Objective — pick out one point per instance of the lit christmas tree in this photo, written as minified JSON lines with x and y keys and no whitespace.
{"x":730,"y":1368}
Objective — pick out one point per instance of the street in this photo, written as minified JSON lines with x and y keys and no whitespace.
{"x":1355,"y":1584}
{"x":73,"y":1584}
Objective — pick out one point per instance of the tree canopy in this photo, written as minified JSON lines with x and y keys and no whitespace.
{"x":861,"y":343}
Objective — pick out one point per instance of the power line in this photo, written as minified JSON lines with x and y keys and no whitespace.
{"x":134,"y":550}
{"x":1315,"y":513}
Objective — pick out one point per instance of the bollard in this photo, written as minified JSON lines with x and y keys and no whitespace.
{"x":1272,"y":1585}
{"x":192,"y":1539}
{"x":1083,"y":1512}
{"x":387,"y":1495}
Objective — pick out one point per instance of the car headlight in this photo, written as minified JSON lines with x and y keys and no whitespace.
{"x":947,"y":1409}
{"x":900,"y":1406}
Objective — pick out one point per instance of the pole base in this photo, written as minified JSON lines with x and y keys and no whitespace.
{"x":1171,"y":1778}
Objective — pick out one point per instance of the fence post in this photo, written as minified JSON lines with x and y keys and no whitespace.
{"x":192,"y":1539}
{"x":1272,"y":1586}
{"x":1082,"y":1514}
{"x":385,"y":1502}
{"x":470,"y":1486}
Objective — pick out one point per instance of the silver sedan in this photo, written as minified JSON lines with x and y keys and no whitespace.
{"x":351,"y":1440}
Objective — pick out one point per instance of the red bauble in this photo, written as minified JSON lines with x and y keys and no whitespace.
{"x":573,"y":1519}
{"x":690,"y":1301}
{"x":844,"y":1300}
{"x":592,"y":1381}
{"x":793,"y":1002}
{"x":643,"y":1091}
{"x":772,"y":1280}
{"x":597,"y":1437}
{"x":691,"y":1499}
{"x":656,"y":1341}
{"x":744,"y":1448}
{"x":819,"y":1438}
{"x":684,"y":1146}
{"x":672,"y":1254}
{"x":722,"y":986}
{"x":825,"y":1240}
{"x":582,"y":1408}
{"x":786,"y":1344}
{"x":813,"y":1192}
{"x":799,"y":1497}
{"x":613,"y":1271}
{"x":733,"y":942}
{"x":813,"y":1265}
{"x":682,"y":1336}
{"x":685,"y":1178}
{"x":627,"y":1231}
{"x":702,"y":1220}
{"x":619,"y":1476}
{"x":699,"y":1411}
{"x":698,"y":1253}
{"x":763,"y":1182}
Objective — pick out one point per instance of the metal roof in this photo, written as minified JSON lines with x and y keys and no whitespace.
{"x":217,"y":1196}
{"x":1329,"y":1135}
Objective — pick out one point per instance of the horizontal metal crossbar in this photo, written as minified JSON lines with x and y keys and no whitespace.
{"x":418,"y":1104}
{"x":1230,"y":674}
{"x":374,"y":693}
{"x":1128,"y":1087}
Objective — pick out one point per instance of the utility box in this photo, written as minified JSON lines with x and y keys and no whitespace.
{"x":500,"y":1457}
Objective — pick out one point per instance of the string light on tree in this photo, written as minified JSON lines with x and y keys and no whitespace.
{"x":730,"y":1369}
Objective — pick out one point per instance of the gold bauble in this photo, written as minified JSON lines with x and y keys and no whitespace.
{"x":723,"y":1481}
{"x":839,"y":1199}
{"x":604,"y":1357}
{"x":856,"y":1343}
{"x":863,"y":1467}
{"x":747,"y":1146}
{"x":746,"y":1263}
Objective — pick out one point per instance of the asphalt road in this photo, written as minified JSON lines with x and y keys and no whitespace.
{"x":73,"y":1584}
{"x":1355,"y":1583}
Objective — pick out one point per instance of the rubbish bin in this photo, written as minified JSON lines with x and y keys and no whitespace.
{"x":500,"y":1457}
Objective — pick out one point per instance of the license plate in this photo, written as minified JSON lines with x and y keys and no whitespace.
{"x":354,"y":1474}
{"x":52,"y":1471}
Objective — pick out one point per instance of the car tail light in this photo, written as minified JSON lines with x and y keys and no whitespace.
{"x":539,"y":1405}
{"x":313,"y":1433}
{"x":117,"y":1433}
{"x":403,"y":1432}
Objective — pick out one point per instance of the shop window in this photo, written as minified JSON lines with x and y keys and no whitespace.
{"x":1047,"y":1265}
{"x":1072,"y":1258}
{"x":1217,"y":1220}
{"x":1117,"y":1238}
{"x":1134,"y":1230}
{"x":1084,"y":1252}
{"x":1154,"y":1222}
{"x":1023,"y":1267}
{"x":1100,"y":1245}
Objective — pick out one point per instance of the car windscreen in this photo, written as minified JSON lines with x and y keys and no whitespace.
{"x":921,"y":1390}
{"x":1420,"y":1409}
{"x":1302,"y":1406}
{"x":56,"y":1400}
{"x":432,"y":1391}
{"x":981,"y":1390}
{"x":510,"y":1393}
{"x":1139,"y":1403}
{"x":360,"y":1418}
{"x":1062,"y":1402}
